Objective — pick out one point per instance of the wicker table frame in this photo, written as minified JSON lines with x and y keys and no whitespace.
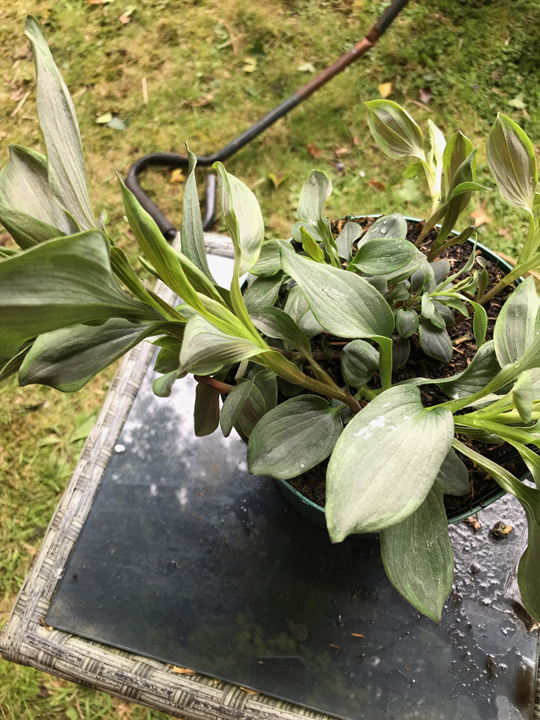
{"x":27,"y":639}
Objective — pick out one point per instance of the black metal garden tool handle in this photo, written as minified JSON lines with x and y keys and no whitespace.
{"x":178,"y":160}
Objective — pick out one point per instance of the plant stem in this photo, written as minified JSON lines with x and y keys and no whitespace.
{"x":519,"y":269}
{"x":216,"y":385}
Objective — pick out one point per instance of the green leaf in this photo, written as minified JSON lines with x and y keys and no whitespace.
{"x":343,"y":303}
{"x":298,"y":308}
{"x":266,"y":381}
{"x":359,"y":360}
{"x":511,"y":159}
{"x":388,"y":227}
{"x":457,"y":149}
{"x":350,"y":232}
{"x":385,"y":462}
{"x":310,"y":246}
{"x":453,"y":476}
{"x":382,"y":257}
{"x":269,"y":262}
{"x":13,"y":365}
{"x":315,"y":192}
{"x":205,"y":349}
{"x":517,"y":323}
{"x":418,"y":558}
{"x":157,"y":250}
{"x":66,"y":359}
{"x":206,"y":411}
{"x":276,"y":323}
{"x":192,"y":230}
{"x":26,"y":230}
{"x":435,"y":341}
{"x":394,"y":130}
{"x":530,"y":500}
{"x":243,"y":218}
{"x":434,"y":158}
{"x":59,"y":283}
{"x":293,"y":437}
{"x":480,"y":323}
{"x":263,"y":292}
{"x":58,"y":122}
{"x":407,"y":322}
{"x":245,"y":406}
{"x":481,"y":370}
{"x":523,"y":395}
{"x":162,"y":386}
{"x":168,"y":358}
{"x":25,"y":195}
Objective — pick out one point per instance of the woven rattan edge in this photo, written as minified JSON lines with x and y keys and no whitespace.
{"x":28,"y":641}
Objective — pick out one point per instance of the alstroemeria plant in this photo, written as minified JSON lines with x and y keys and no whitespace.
{"x":72,"y":304}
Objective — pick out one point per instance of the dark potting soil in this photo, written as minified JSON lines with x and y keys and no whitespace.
{"x":312,"y":484}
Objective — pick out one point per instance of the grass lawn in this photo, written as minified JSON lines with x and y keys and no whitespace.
{"x":211,"y":70}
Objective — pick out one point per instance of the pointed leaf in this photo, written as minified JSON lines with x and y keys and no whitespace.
{"x":523,"y":394}
{"x":315,"y":192}
{"x":511,"y":159}
{"x":392,"y":449}
{"x":480,"y":323}
{"x":457,"y":149}
{"x":293,"y":437}
{"x":26,"y":230}
{"x":343,"y":303}
{"x":418,"y":558}
{"x":435,"y":341}
{"x":453,"y":476}
{"x":243,"y":218}
{"x":297,"y":307}
{"x":68,"y":358}
{"x":382,"y":257}
{"x":24,"y":189}
{"x":206,"y":411}
{"x":205,"y":349}
{"x":60,"y":283}
{"x":192,"y":230}
{"x":269,"y":262}
{"x":276,"y":323}
{"x":58,"y":122}
{"x":351,"y":231}
{"x":310,"y":246}
{"x":263,"y":292}
{"x":394,"y":130}
{"x":517,"y":323}
{"x":393,"y":227}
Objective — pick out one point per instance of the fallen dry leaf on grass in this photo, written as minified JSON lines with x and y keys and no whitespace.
{"x":342,"y":151}
{"x":376,"y":185}
{"x":386,"y":89}
{"x":314,"y":150}
{"x":177,"y":176}
{"x":480,"y":217}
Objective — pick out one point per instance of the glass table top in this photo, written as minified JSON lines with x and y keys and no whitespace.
{"x":188,"y":559}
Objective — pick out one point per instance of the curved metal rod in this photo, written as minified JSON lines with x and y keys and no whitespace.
{"x":178,"y":160}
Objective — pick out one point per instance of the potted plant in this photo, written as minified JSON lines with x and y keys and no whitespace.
{"x":341,"y":350}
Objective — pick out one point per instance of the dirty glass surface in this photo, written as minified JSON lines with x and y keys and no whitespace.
{"x":187,"y":558}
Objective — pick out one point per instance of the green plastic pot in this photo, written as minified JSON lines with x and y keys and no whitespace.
{"x":316,"y":513}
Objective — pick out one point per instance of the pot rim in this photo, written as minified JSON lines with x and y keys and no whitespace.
{"x":312,"y":507}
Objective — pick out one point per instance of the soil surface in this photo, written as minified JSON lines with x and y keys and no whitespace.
{"x":312,"y":484}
